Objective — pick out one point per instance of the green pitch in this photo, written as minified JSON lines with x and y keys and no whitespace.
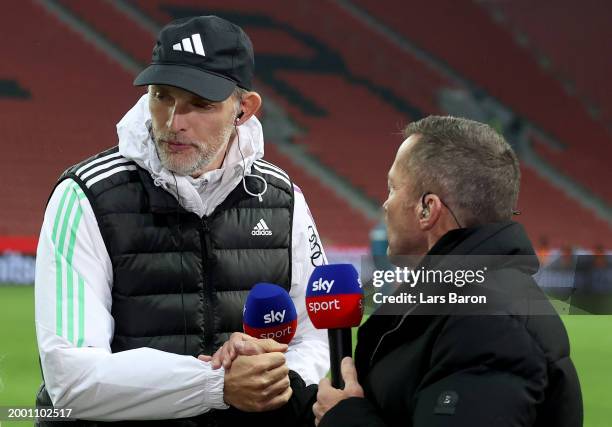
{"x":590,"y":337}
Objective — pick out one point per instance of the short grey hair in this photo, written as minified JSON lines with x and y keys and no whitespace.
{"x":467,"y":164}
{"x":239,"y":92}
{"x":237,"y":95}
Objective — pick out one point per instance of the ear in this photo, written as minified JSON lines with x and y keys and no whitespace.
{"x":429,"y":212}
{"x":250,"y":104}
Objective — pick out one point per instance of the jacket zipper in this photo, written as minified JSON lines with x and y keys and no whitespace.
{"x":390,"y":331}
{"x":208,"y":292}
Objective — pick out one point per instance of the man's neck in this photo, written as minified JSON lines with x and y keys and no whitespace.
{"x":437,"y":233}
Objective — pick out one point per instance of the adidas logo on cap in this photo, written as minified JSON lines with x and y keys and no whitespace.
{"x":186,"y":45}
{"x":261,"y":229}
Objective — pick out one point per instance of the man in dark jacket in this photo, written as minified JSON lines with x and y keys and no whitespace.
{"x":452,"y":191}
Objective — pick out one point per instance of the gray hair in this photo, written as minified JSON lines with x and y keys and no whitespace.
{"x":239,"y":93}
{"x":467,"y":164}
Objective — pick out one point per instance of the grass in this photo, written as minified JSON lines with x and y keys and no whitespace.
{"x":19,"y":370}
{"x":591,"y":350}
{"x":590,"y":338}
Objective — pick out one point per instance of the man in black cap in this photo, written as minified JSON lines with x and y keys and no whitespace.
{"x":148,"y":250}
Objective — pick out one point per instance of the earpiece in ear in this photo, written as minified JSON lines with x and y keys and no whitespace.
{"x":425,"y":211}
{"x":239,"y":116}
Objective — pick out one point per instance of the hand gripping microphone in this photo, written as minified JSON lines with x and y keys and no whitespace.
{"x":334,"y":301}
{"x":269,"y":312}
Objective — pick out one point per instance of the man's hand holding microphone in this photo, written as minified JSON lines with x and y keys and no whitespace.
{"x":257,"y":377}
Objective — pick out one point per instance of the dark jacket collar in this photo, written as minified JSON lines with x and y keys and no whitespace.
{"x":488,"y":242}
{"x":494,"y":239}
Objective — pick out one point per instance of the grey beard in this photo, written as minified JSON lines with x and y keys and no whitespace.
{"x":205,"y":155}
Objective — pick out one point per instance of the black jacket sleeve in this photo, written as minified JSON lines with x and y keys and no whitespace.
{"x":352,"y":412}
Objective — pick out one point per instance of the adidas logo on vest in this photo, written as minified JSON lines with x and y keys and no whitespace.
{"x":261,"y":229}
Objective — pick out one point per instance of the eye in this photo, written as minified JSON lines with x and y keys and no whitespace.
{"x":203,"y":105}
{"x":160,"y":96}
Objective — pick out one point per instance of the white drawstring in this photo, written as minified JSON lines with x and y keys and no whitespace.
{"x":258,"y":195}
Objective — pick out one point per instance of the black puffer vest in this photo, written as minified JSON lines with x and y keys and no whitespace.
{"x":180,"y":281}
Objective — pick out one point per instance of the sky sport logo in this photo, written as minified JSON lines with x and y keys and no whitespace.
{"x":261,"y":229}
{"x":322,"y":285}
{"x":274,"y":316}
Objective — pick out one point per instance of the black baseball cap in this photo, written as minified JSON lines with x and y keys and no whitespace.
{"x":205,"y":55}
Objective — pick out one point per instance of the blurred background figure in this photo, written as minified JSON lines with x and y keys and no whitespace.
{"x":601,"y":260}
{"x":543,"y":250}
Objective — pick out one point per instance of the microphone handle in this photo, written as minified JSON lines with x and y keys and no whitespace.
{"x":340,"y":346}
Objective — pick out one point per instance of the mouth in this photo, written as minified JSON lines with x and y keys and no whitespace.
{"x":176,"y":146}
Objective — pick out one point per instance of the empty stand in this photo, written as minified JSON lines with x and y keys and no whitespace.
{"x":348,"y":88}
{"x":337,"y":222}
{"x":548,"y":211}
{"x":463,"y":35}
{"x":76,"y":96}
{"x":575,"y":38}
{"x":118,"y":28}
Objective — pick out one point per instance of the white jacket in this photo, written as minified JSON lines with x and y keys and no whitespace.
{"x":74,"y":279}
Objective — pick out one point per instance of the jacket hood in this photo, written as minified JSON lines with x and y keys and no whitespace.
{"x":199,"y":195}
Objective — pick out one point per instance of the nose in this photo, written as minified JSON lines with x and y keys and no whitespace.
{"x":176,"y":119}
{"x":384,"y":206}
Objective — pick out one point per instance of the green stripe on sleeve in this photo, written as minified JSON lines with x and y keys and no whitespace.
{"x":64,"y":229}
{"x":58,"y":214}
{"x":81,"y":285}
{"x":70,"y":272}
{"x":67,"y":231}
{"x":58,"y":264}
{"x":79,"y":192}
{"x":81,"y":311}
